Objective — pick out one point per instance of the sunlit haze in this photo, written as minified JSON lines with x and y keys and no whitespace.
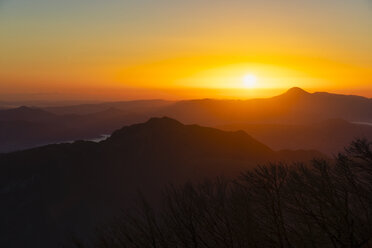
{"x":111,"y":50}
{"x":186,"y":123}
{"x":250,"y":81}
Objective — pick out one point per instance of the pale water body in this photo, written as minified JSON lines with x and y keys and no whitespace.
{"x":102,"y":137}
{"x":363,"y":123}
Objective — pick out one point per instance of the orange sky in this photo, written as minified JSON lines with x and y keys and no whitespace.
{"x":111,"y":50}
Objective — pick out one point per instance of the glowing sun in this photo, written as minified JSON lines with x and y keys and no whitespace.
{"x":249,"y":81}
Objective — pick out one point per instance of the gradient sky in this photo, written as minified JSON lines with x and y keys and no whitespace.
{"x":121,"y":49}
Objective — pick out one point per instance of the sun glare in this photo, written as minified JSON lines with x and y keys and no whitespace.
{"x":249,"y":81}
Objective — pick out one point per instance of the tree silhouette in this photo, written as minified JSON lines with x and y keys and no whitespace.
{"x":327,"y":203}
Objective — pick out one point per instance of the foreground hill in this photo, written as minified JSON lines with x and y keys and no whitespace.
{"x":50,"y":192}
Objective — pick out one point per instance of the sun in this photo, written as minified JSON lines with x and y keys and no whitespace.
{"x":249,"y":81}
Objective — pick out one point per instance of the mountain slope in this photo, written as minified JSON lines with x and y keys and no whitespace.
{"x":329,"y":137}
{"x":50,"y":192}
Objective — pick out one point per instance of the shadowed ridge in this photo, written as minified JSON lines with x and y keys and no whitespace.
{"x":166,"y":123}
{"x":24,"y":109}
{"x":25,"y":113}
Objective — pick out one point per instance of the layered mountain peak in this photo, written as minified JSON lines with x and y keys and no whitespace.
{"x":297,"y":91}
{"x":170,"y":135}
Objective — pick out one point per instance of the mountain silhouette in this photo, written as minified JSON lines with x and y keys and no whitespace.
{"x":50,"y":192}
{"x":25,"y":113}
{"x":26,"y":127}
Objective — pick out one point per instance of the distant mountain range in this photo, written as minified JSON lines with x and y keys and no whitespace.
{"x":296,"y":106}
{"x":49,"y":193}
{"x":297,"y":110}
{"x":138,"y":107}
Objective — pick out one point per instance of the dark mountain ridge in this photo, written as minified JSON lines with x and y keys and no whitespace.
{"x":52,"y":191}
